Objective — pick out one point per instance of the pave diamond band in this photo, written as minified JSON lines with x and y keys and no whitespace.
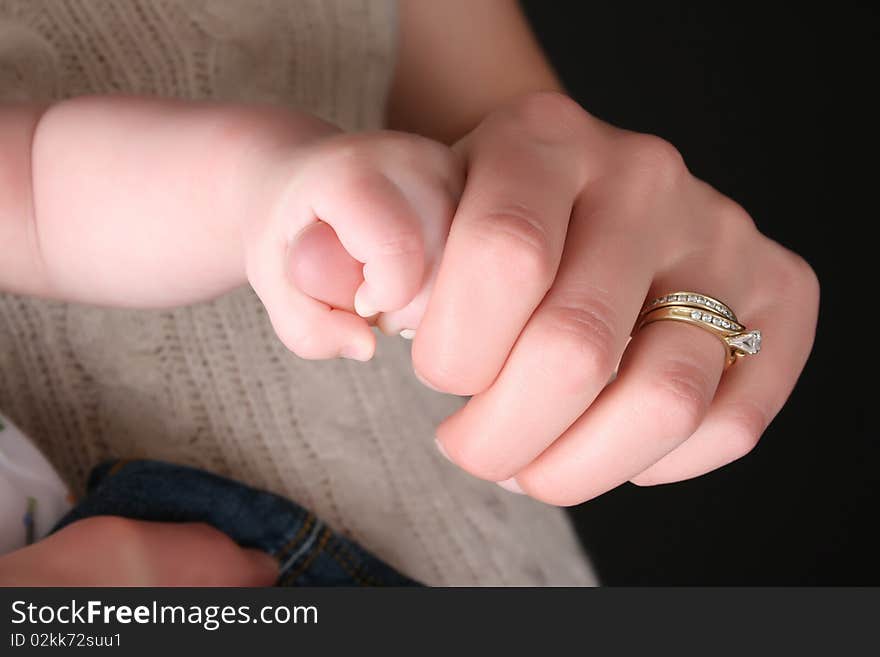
{"x":709,"y":314}
{"x":694,"y":300}
{"x":710,"y":318}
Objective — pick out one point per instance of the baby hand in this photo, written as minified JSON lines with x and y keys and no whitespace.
{"x":354,"y":233}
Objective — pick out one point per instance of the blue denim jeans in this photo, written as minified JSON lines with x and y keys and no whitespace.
{"x":310,"y":553}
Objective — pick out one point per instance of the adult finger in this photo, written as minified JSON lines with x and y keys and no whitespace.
{"x":753,"y":391}
{"x":195,"y":554}
{"x":524,"y":172}
{"x":114,"y":551}
{"x":566,"y":353}
{"x":663,"y":389}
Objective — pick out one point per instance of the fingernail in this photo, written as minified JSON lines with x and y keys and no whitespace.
{"x":362,"y":307}
{"x":442,"y":450}
{"x":425,"y":383}
{"x":511,"y":485}
{"x":263,"y":563}
{"x":358,"y":351}
{"x":408,"y":334}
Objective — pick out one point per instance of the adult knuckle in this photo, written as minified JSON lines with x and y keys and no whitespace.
{"x":516,"y":239}
{"x":789,"y":276}
{"x":545,"y":115}
{"x":653,"y":161}
{"x":678,"y":397}
{"x":743,"y":428}
{"x":583,"y":336}
{"x":739,"y":442}
{"x":803,"y":277}
{"x":733,"y":216}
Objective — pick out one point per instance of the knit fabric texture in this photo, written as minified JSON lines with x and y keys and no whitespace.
{"x":210,"y":385}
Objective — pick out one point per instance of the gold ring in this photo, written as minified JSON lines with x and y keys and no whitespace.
{"x":709,"y":314}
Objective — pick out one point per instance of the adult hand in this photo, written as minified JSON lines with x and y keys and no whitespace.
{"x":112,"y":551}
{"x":567,"y":225}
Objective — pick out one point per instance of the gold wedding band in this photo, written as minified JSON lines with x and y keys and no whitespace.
{"x":708,"y":313}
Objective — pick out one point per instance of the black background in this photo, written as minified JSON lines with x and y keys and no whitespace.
{"x":742,"y":92}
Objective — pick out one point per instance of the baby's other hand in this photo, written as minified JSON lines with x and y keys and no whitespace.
{"x":353,"y":238}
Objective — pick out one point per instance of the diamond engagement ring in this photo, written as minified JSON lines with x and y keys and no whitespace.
{"x":708,"y":313}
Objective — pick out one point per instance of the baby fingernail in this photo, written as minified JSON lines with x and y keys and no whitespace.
{"x":511,"y":485}
{"x":363,"y":307}
{"x":359,"y":352}
{"x":408,"y":334}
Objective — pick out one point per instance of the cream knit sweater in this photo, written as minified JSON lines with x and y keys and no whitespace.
{"x":210,"y":385}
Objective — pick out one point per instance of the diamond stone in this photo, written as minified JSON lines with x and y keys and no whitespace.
{"x":716,"y":321}
{"x":749,"y":343}
{"x":725,"y":324}
{"x":696,"y":314}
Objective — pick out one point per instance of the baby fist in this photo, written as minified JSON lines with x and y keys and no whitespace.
{"x":356,"y":229}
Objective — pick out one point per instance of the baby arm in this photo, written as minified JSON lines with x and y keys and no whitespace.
{"x":131,"y":201}
{"x":153,"y":203}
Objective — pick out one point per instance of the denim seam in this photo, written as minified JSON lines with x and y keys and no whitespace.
{"x":291,"y":544}
{"x":116,"y":467}
{"x":327,"y":535}
{"x":353,"y":566}
{"x":305,"y":547}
